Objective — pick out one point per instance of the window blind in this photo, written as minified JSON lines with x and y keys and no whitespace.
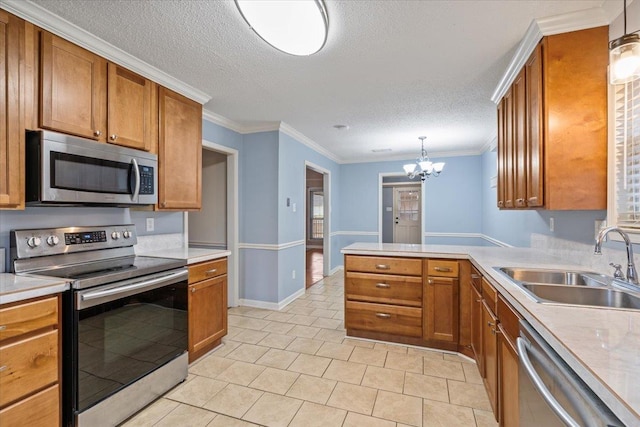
{"x":627,"y":154}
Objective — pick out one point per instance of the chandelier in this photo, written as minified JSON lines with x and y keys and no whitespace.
{"x":423,"y":167}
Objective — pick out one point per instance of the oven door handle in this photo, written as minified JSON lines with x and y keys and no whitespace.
{"x":139,"y":286}
{"x":556,"y":407}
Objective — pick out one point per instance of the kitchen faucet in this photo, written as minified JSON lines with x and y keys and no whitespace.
{"x":631,"y":269}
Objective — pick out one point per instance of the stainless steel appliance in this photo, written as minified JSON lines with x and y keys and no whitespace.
{"x":67,"y":170}
{"x":124,"y":319}
{"x":550,"y":392}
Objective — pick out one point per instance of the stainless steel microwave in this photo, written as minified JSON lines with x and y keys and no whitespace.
{"x":67,"y":170}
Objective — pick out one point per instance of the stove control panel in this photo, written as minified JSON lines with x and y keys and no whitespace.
{"x":53,"y":241}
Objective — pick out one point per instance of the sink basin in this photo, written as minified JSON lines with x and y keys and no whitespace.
{"x":556,"y":277}
{"x":599,"y":297}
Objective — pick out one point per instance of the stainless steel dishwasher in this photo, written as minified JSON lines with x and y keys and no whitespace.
{"x":550,"y":392}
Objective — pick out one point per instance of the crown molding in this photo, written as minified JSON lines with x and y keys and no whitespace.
{"x":65,"y":29}
{"x":221,"y":121}
{"x":298,"y":136}
{"x":574,"y":21}
{"x":432,"y":155}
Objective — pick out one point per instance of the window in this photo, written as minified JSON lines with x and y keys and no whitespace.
{"x":316,"y":214}
{"x":624,"y":205}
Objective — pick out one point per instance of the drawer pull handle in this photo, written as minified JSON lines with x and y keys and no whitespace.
{"x":3,"y":368}
{"x":383,"y":267}
{"x":479,"y":300}
{"x":490,"y":324}
{"x":210,"y":272}
{"x":475,"y":276}
{"x":430,"y":282}
{"x":443,"y":269}
{"x":383,"y":285}
{"x":3,"y":327}
{"x":383,"y":315}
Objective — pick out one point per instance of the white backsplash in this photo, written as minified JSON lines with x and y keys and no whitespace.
{"x":159,"y":242}
{"x":581,"y":253}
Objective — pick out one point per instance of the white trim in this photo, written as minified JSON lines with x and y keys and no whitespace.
{"x":211,"y":244}
{"x":273,"y":305}
{"x":588,"y":18}
{"x":298,"y":136}
{"x":336,"y":269}
{"x":71,"y":32}
{"x":221,"y":121}
{"x":354,"y":233}
{"x":270,"y":246}
{"x":468,"y":235}
{"x":326,"y":189}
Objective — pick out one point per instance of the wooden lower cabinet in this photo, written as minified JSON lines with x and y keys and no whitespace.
{"x":490,"y":355}
{"x":508,"y":385}
{"x":476,"y":328}
{"x":31,"y":364}
{"x":207,"y":306}
{"x":441,"y":309}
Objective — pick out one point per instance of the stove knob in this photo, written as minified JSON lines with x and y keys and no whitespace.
{"x":52,"y":240}
{"x":126,"y":234}
{"x":34,"y":242}
{"x":115,"y":235}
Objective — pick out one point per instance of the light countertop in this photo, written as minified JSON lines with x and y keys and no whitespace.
{"x":189,"y":254}
{"x":602,"y":345}
{"x":18,"y":288}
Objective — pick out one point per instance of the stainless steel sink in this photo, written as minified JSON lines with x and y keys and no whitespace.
{"x":599,"y":297}
{"x":557,"y":277}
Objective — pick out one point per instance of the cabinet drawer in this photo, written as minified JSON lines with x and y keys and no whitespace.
{"x":385,"y":265}
{"x":28,"y":365}
{"x":390,"y":319}
{"x":40,"y":410}
{"x":490,"y":295}
{"x":509,"y":320}
{"x":27,"y":317}
{"x":442,"y":268}
{"x":207,"y":270}
{"x":384,"y":288}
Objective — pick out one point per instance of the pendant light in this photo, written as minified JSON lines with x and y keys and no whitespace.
{"x":624,"y":56}
{"x":426,"y":167}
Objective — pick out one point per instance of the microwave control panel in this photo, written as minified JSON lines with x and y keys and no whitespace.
{"x":146,"y":180}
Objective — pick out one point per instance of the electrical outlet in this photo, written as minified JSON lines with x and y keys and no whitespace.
{"x":552,"y":224}
{"x":293,"y":274}
{"x":293,"y":206}
{"x":150,"y":224}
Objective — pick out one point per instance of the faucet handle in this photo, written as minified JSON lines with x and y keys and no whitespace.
{"x":618,"y":274}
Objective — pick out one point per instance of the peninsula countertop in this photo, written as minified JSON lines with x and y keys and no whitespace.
{"x":19,"y":288}
{"x":189,"y":254}
{"x":602,"y":345}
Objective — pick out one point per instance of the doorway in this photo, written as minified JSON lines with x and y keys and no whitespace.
{"x":216,"y":224}
{"x":316,"y":224}
{"x":401,"y":209}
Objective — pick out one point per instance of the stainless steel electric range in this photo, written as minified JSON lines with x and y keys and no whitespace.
{"x":124,"y":320}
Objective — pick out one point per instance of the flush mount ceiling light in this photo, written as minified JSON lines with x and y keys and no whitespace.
{"x":426,"y":167}
{"x":296,"y":27}
{"x":624,"y":56}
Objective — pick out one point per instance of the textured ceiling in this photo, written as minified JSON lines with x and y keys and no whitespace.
{"x":390,"y":70}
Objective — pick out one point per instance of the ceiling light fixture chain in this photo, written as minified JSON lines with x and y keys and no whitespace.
{"x":424,"y":167}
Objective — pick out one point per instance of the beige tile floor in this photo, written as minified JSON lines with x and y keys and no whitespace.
{"x":296,"y":368}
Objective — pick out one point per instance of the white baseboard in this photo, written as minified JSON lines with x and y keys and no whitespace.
{"x":336,"y":269}
{"x":272,"y":305}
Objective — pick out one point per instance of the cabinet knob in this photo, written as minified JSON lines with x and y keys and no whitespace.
{"x":163,"y":204}
{"x":193,"y":290}
{"x":430,"y":281}
{"x":114,"y":137}
{"x":97,"y":133}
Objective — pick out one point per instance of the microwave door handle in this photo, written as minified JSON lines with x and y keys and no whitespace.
{"x":136,"y":187}
{"x":539,"y":385}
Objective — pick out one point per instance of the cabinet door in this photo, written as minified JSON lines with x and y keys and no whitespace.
{"x":464,"y":315}
{"x":508,"y":148}
{"x":129,"y":108}
{"x":502,"y":155}
{"x":180,"y":152}
{"x":207,"y":314}
{"x":490,"y":355}
{"x":476,"y":328}
{"x":441,"y":313}
{"x":73,"y":89}
{"x":535,"y":167}
{"x":520,"y":140}
{"x":11,"y":115}
{"x":508,"y":363}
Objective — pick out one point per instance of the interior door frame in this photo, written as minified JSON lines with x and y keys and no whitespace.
{"x":381,"y":177}
{"x":233,"y":296}
{"x":326,"y":232}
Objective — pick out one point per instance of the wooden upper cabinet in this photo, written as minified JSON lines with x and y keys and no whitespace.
{"x":73,"y":89}
{"x":130,"y":98}
{"x":555,"y":116}
{"x":12,"y":134}
{"x":179,"y":152}
{"x":534,"y":130}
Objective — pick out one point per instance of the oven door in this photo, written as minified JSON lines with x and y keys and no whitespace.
{"x":122,"y":333}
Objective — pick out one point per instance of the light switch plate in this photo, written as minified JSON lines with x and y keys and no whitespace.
{"x":1,"y":260}
{"x":150,"y":224}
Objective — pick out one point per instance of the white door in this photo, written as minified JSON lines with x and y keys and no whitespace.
{"x":407,"y":208}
